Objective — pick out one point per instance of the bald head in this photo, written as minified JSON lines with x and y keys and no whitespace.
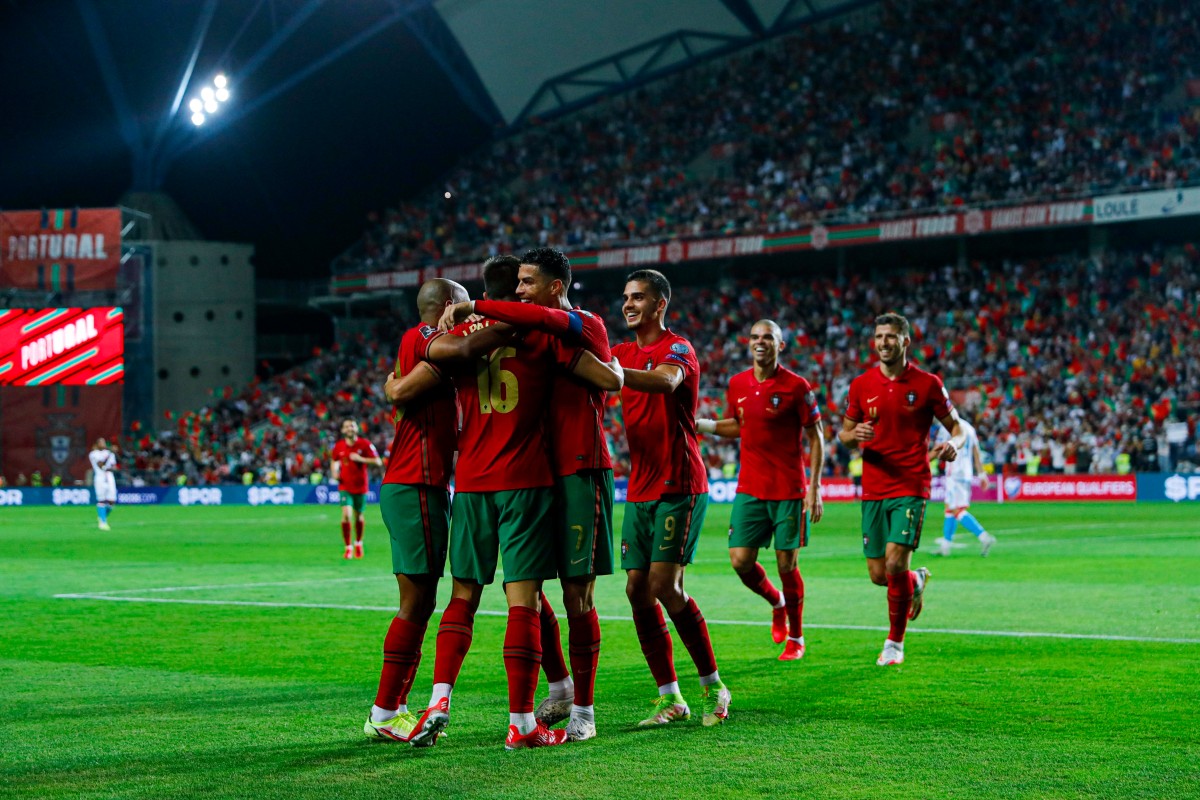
{"x":435,"y":294}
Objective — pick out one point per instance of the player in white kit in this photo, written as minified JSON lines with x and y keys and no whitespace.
{"x":959,"y":476}
{"x":104,"y":465}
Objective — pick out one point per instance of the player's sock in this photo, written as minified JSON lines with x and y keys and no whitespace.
{"x":970,"y":523}
{"x":346,"y":532}
{"x":553,"y":662}
{"x":669,"y":688}
{"x":108,"y":509}
{"x":948,"y":526}
{"x":656,"y":643}
{"x":583,"y":642}
{"x":522,"y":662}
{"x":379,"y":714}
{"x":693,"y":631}
{"x":453,"y":642}
{"x":524,"y":722}
{"x":583,"y":713}
{"x":756,"y":580}
{"x":793,"y":595}
{"x":401,"y":654}
{"x":358,"y":530}
{"x":899,"y":595}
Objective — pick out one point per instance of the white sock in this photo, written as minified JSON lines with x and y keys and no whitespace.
{"x":669,"y":688}
{"x":781,"y":602}
{"x":561,"y":690}
{"x":705,"y":680}
{"x":583,"y":713}
{"x":441,"y":691}
{"x":524,"y":722}
{"x":897,"y":645}
{"x":382,"y":714}
{"x":403,"y":709}
{"x":797,"y":641}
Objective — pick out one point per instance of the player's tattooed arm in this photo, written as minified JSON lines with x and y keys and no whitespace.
{"x":663,"y":379}
{"x":948,"y":451}
{"x":607,"y":376}
{"x":813,"y":503}
{"x":400,"y":391}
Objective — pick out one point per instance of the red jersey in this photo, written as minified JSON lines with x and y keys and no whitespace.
{"x":427,"y":428}
{"x":576,"y":407}
{"x":353,"y":476}
{"x":503,"y":444}
{"x":896,"y":462}
{"x":772,"y":416}
{"x":661,"y":428}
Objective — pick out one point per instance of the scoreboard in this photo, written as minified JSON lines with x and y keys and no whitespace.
{"x":74,"y":346}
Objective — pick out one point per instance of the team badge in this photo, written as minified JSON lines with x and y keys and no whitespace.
{"x":624,"y":548}
{"x":910,"y":398}
{"x":680,"y":348}
{"x":649,"y":364}
{"x":775,"y":401}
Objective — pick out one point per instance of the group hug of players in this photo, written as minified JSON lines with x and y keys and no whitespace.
{"x":527,"y":374}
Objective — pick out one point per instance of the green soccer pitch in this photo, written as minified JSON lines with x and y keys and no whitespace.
{"x":231,"y":652}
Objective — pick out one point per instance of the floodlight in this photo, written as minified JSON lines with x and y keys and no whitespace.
{"x":197,"y":119}
{"x":210,"y":106}
{"x":447,"y":195}
{"x":220,"y":81}
{"x":207,"y":93}
{"x":195,"y":105}
{"x":222,"y":94}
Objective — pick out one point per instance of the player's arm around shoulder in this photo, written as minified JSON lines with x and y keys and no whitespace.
{"x":402,"y":390}
{"x":663,"y":379}
{"x":607,"y":376}
{"x":478,"y":341}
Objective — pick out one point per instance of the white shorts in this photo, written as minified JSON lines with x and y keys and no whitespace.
{"x":106,"y":487}
{"x":958,"y":493}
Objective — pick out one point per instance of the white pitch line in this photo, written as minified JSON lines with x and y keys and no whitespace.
{"x":234,"y":585}
{"x":751,"y":623}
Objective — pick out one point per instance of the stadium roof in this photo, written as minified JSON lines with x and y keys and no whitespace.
{"x":338,"y":108}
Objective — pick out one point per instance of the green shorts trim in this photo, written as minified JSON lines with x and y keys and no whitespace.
{"x":897,"y":519}
{"x":585,"y":532}
{"x":664,"y":530}
{"x":760,"y":523}
{"x":515,"y":525}
{"x":418,"y":523}
{"x":357,"y":501}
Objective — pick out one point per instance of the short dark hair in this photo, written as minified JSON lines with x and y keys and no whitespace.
{"x":551,"y":262}
{"x":500,"y":277}
{"x":658,"y":281}
{"x":344,"y":420}
{"x":896,"y":321}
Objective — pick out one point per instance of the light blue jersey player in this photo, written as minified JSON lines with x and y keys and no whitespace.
{"x":960,"y":474}
{"x":104,"y":464}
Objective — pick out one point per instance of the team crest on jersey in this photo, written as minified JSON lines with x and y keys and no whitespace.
{"x":910,"y":398}
{"x":649,"y":364}
{"x":680,"y":348}
{"x":776,"y":400}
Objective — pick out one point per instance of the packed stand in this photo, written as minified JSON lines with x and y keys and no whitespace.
{"x":1036,"y":100}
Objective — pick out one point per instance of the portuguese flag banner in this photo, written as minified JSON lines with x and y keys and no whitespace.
{"x":60,"y":250}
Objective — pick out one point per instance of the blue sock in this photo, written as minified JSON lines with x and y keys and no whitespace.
{"x":970,"y":523}
{"x":948,"y":528}
{"x":102,"y":510}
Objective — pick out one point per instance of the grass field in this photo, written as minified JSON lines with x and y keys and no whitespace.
{"x":230,"y":652}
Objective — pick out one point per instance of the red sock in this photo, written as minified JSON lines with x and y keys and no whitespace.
{"x":553,"y":663}
{"x":346,"y":532}
{"x":522,"y":657}
{"x":693,"y":631}
{"x":756,"y":580}
{"x":583,"y":638}
{"x":358,"y":529}
{"x":899,"y":594}
{"x":401,"y":655}
{"x":453,"y":641}
{"x":656,"y":643}
{"x":793,"y":601}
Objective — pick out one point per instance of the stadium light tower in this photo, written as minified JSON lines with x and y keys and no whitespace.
{"x":210,"y":100}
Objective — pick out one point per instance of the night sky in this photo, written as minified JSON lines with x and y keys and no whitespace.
{"x":295,"y":178}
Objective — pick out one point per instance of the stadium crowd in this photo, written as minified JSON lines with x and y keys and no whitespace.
{"x":932,"y":105}
{"x":1069,"y":361}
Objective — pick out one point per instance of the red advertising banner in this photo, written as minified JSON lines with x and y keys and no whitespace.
{"x":60,"y":250}
{"x":1071,"y":487}
{"x":80,"y":346}
{"x":51,"y":429}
